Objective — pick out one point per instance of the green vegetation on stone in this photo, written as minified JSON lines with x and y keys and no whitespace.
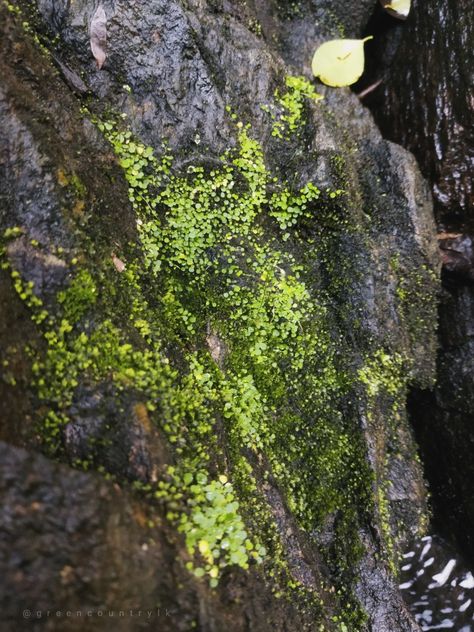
{"x":288,"y":114}
{"x":220,"y":326}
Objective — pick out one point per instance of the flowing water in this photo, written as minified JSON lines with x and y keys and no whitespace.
{"x":437,"y":586}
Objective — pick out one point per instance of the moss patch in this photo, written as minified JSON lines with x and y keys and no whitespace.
{"x":220,"y":322}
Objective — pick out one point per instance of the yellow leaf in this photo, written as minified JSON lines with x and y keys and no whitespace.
{"x":339,"y":62}
{"x":398,"y":8}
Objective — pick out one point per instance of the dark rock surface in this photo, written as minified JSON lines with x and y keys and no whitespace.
{"x":444,"y":419}
{"x":77,"y":553}
{"x":433,"y":115}
{"x":425,"y":103}
{"x":173,"y":67}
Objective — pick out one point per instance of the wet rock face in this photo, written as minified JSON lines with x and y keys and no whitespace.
{"x":80,"y":523}
{"x":185,"y":63}
{"x":78,"y":552}
{"x":114,"y":431}
{"x":174,"y":61}
{"x":379,"y":592}
{"x":425,"y":103}
{"x":173,"y":68}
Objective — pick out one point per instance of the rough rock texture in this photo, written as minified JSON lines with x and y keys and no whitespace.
{"x":78,"y":554}
{"x":172,"y":69}
{"x":443,"y":419}
{"x":433,"y":115}
{"x":425,"y":103}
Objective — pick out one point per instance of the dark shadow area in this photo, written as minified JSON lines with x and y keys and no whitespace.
{"x":424,"y":101}
{"x":379,"y":54}
{"x":443,"y":419}
{"x":446,"y":450}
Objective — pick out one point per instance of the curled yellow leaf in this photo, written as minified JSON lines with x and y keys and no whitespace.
{"x":398,"y":8}
{"x":339,"y":62}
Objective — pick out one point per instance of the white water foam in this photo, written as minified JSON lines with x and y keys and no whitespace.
{"x":441,"y":578}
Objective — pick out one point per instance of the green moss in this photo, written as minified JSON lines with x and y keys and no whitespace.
{"x":220,"y":325}
{"x":213,"y":265}
{"x":288,"y":114}
{"x":218,"y":267}
{"x":384,"y":372}
{"x":254,"y":26}
{"x":288,"y":10}
{"x":385,"y":378}
{"x":417,"y":297}
{"x":28,"y":18}
{"x":80,"y":296}
{"x":213,"y":527}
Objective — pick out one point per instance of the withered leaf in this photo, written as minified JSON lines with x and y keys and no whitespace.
{"x":217,"y":347}
{"x":118,"y":263}
{"x":98,"y":33}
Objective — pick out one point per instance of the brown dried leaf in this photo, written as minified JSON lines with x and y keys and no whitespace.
{"x":442,"y":236}
{"x":217,"y":347}
{"x":118,"y":263}
{"x":98,"y":34}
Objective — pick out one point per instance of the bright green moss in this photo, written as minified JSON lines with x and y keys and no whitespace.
{"x":218,"y":268}
{"x":213,"y":527}
{"x":254,"y":26}
{"x":210,"y":261}
{"x":28,"y":18}
{"x":386,"y":373}
{"x":288,"y":114}
{"x":23,"y":288}
{"x":226,"y":336}
{"x":80,"y":296}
